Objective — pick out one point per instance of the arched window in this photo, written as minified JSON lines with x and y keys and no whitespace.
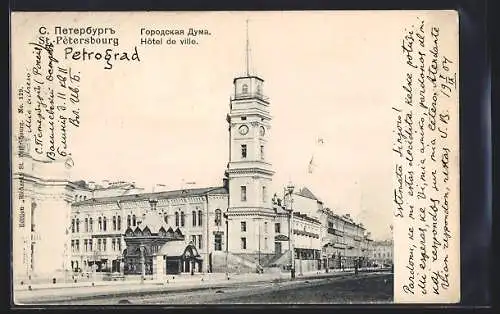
{"x":244,"y":88}
{"x":200,"y":218}
{"x":114,"y":222}
{"x":194,"y":218}
{"x":177,"y":219}
{"x":128,"y":221}
{"x":134,"y":221}
{"x":218,"y":217}
{"x":99,"y":223}
{"x":104,"y":221}
{"x":182,"y":219}
{"x":119,"y":222}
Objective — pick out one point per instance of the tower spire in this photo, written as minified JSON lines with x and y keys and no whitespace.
{"x":248,"y":53}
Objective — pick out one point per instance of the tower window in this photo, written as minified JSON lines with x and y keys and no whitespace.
{"x":218,"y":242}
{"x":244,"y":89}
{"x":277,"y":227}
{"x":218,"y":217}
{"x":200,"y":218}
{"x":243,"y":151}
{"x":243,"y":193}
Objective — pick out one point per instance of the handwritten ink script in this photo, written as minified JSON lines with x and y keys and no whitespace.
{"x":425,"y":149}
{"x":48,"y":104}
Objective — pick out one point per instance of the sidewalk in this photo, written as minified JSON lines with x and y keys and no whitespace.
{"x":73,"y":291}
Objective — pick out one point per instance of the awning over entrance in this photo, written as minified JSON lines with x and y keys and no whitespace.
{"x":179,"y":249}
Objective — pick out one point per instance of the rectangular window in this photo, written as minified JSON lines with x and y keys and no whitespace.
{"x":218,"y":242}
{"x":72,"y":245}
{"x":277,"y":227}
{"x":193,"y":239}
{"x":243,"y":118}
{"x":264,"y":194}
{"x":194,"y":218}
{"x":243,"y":151}
{"x":243,"y":243}
{"x":77,"y":245}
{"x":90,"y":245}
{"x":119,"y":244}
{"x":243,"y":193}
{"x":104,"y":245}
{"x":72,"y":226}
{"x":113,"y":244}
{"x":86,"y":245}
{"x":200,"y":242}
{"x":99,"y":245}
{"x":86,"y":225}
{"x":262,"y":152}
{"x":243,"y":226}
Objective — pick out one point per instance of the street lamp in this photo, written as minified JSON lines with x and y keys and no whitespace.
{"x":289,"y":190}
{"x":226,"y":218}
{"x":143,"y":269}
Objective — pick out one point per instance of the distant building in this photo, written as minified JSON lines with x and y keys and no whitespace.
{"x":382,"y":253}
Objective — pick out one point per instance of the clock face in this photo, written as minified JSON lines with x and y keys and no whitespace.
{"x":262,"y":131}
{"x":243,"y":129}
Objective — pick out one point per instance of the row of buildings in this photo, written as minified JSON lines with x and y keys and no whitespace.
{"x":62,"y":225}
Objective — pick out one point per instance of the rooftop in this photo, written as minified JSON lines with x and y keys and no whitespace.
{"x":156,"y":195}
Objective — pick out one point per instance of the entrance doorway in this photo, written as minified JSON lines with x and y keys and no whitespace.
{"x":277,"y":248}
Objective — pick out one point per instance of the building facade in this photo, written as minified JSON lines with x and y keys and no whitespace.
{"x":382,"y":253}
{"x":98,"y":225}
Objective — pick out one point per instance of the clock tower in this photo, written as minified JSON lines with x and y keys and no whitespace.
{"x":249,"y":172}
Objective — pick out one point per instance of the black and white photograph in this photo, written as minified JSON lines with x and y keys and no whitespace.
{"x":191,"y":158}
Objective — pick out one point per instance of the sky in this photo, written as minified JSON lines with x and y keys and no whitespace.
{"x":329,"y":76}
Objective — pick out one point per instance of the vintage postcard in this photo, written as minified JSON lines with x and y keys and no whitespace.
{"x":235,"y":157}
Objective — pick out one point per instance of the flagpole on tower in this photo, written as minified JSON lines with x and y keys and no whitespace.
{"x":247,"y":52}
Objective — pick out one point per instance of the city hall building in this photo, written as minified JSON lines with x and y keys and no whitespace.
{"x":77,"y":226}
